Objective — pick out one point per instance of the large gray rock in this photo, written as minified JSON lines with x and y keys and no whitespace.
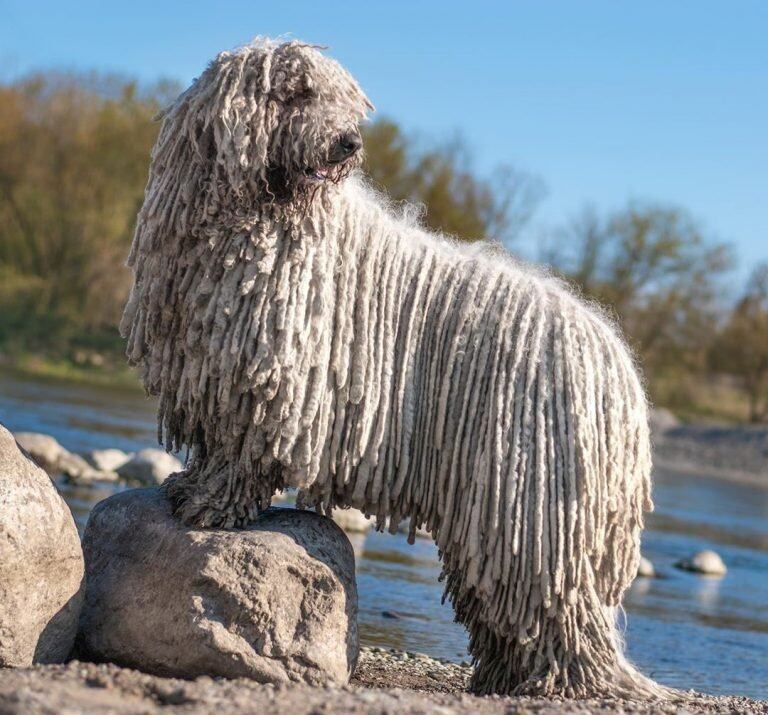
{"x":41,"y":563}
{"x":276,"y":602}
{"x":149,"y":467}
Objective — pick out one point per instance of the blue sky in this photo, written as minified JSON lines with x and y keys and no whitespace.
{"x":605,"y":101}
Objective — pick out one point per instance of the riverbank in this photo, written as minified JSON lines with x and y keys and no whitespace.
{"x":385,"y":682}
{"x":736,"y":454}
{"x":40,"y":367}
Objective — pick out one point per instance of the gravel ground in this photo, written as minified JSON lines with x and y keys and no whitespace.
{"x":386,"y":682}
{"x":381,"y":668}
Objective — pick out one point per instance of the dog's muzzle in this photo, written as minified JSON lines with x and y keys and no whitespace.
{"x":345,"y":147}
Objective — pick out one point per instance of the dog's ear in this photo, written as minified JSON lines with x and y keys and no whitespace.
{"x":233,"y":115}
{"x":214,"y":142}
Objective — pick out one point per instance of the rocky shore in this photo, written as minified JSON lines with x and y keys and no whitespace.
{"x":384,"y":682}
{"x":737,"y":454}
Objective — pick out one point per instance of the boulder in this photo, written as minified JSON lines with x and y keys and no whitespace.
{"x":107,"y":460}
{"x":707,"y":563}
{"x":275,"y":602}
{"x":149,"y":467}
{"x":41,"y":563}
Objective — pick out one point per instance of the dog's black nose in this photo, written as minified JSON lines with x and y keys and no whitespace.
{"x":350,"y":143}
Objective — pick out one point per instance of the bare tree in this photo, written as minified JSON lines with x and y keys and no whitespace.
{"x":653,"y":267}
{"x":456,"y":200}
{"x":742,"y":346}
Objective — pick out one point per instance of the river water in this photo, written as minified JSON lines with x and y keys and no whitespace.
{"x":684,"y":630}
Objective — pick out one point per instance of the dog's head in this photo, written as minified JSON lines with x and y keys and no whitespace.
{"x":271,"y":122}
{"x":316,"y":109}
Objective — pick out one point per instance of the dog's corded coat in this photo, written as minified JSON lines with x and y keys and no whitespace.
{"x":331,"y":344}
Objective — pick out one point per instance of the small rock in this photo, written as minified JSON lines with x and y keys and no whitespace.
{"x":107,"y":460}
{"x":55,"y":459}
{"x":78,"y":471}
{"x":421,"y":533}
{"x":45,"y":450}
{"x":704,"y":562}
{"x":645,"y":568}
{"x":352,"y":520}
{"x":661,"y":420}
{"x":88,"y":357}
{"x":276,"y":602}
{"x":41,"y":563}
{"x":149,"y":467}
{"x":284,"y":497}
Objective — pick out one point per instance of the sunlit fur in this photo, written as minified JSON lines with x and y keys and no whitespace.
{"x":304,"y":333}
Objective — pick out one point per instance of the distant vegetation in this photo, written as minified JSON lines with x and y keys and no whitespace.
{"x":73,"y":163}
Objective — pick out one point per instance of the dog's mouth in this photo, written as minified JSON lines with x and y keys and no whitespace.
{"x":320,"y":174}
{"x":333,"y":171}
{"x":339,"y":161}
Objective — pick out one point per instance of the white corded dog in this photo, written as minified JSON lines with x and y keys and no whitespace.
{"x":300,"y":333}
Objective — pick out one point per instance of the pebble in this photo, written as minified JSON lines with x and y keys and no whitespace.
{"x":708,"y":563}
{"x":645,"y":568}
{"x":107,"y":460}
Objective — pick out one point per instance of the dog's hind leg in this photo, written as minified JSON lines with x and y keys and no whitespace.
{"x":541,"y":615}
{"x":569,"y":647}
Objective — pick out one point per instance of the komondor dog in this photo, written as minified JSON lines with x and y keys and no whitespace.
{"x":299,"y":332}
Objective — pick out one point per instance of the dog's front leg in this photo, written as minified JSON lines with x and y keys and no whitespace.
{"x":215,"y":492}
